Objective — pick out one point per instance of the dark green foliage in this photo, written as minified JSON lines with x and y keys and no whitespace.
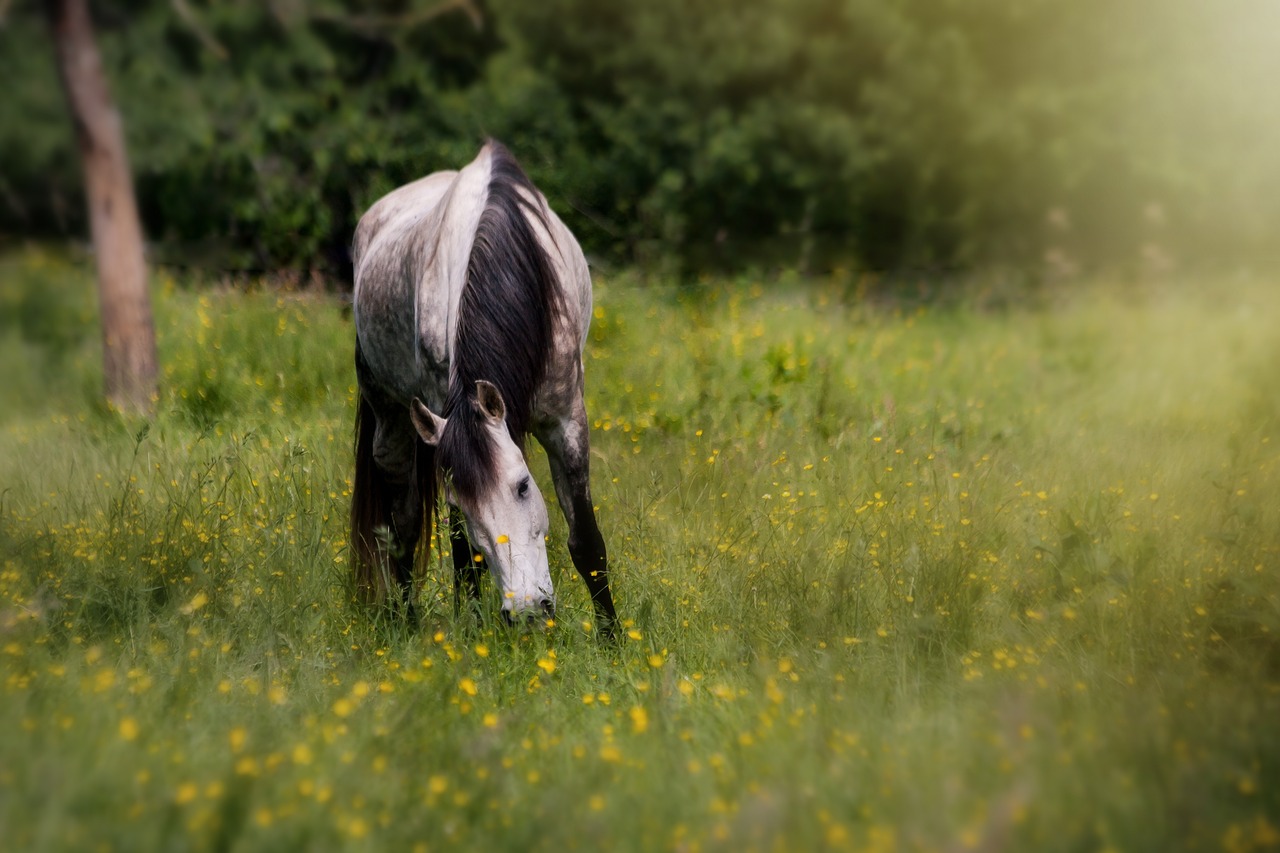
{"x":806,"y":133}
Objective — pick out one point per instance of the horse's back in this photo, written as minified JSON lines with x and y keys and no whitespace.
{"x":411,"y":250}
{"x":397,"y":211}
{"x":402,"y":281}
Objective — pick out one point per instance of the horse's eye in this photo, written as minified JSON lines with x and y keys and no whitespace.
{"x":523,"y":489}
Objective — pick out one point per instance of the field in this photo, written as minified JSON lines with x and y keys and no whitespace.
{"x":1002,"y":574}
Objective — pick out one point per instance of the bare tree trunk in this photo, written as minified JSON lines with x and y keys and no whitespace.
{"x":128,"y":332}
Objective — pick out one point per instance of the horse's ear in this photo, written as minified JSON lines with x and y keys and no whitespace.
{"x":428,"y":425}
{"x":489,"y":399}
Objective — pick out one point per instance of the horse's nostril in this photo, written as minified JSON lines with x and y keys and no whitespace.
{"x":547,"y":606}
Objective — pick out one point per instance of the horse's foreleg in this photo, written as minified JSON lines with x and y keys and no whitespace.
{"x":568,"y":451}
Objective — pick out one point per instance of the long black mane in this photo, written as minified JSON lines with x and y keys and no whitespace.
{"x":505,"y":327}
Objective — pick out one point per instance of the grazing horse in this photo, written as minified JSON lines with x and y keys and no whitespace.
{"x":472,"y":303}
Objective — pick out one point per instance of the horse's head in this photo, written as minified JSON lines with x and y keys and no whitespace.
{"x":490,"y":482}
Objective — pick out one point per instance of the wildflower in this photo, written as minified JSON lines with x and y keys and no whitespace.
{"x":639,"y":719}
{"x":128,"y":728}
{"x":104,"y":680}
{"x":200,"y":599}
{"x":467,"y":686}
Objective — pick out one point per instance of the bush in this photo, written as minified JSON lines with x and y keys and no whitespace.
{"x":802,"y":133}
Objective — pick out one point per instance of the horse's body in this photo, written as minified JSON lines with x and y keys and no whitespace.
{"x":472,"y":300}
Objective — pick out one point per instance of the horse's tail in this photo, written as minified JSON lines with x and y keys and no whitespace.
{"x":370,"y":512}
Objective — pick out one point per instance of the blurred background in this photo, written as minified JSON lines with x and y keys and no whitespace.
{"x":682,"y":136}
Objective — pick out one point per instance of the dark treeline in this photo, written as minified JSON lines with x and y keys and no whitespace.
{"x":682,"y":134}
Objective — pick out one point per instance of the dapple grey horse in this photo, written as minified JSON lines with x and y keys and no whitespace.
{"x":472,"y":304}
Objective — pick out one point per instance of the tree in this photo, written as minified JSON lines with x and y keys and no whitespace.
{"x":128,"y":332}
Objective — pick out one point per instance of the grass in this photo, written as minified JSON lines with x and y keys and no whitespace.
{"x":894,"y":579}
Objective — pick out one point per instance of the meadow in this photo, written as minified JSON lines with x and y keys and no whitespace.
{"x":995,"y":574}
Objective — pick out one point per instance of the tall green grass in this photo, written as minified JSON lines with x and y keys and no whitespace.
{"x":894,"y":579}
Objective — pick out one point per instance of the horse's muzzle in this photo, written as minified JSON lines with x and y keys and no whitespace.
{"x":543,"y":609}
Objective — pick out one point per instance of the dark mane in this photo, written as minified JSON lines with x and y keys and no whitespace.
{"x":505,"y":324}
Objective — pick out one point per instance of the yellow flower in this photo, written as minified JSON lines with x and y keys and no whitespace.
{"x":547,"y":665}
{"x":467,"y":686}
{"x":129,"y":728}
{"x":103,"y":680}
{"x":639,"y":719}
{"x":200,"y":599}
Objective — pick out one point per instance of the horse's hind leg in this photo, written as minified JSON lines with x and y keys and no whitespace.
{"x":396,"y":453}
{"x":406,"y":528}
{"x":467,"y":564}
{"x":568,"y":451}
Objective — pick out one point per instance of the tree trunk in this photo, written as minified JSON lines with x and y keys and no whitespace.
{"x":128,"y":332}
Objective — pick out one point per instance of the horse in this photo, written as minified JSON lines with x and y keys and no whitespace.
{"x":472,"y":303}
